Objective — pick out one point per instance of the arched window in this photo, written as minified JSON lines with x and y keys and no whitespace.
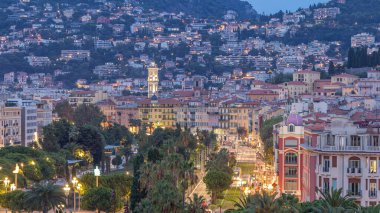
{"x":291,"y":128}
{"x":291,"y":158}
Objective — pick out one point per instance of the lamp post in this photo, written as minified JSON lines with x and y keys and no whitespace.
{"x":16,"y":171}
{"x":97,"y":174}
{"x":6,"y":183}
{"x":75,"y":182}
{"x":66,"y":189}
{"x":79,"y":188}
{"x":13,"y":187}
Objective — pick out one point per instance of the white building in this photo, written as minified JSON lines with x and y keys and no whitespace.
{"x":362,"y":40}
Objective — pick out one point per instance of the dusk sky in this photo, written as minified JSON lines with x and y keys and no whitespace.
{"x":272,"y":6}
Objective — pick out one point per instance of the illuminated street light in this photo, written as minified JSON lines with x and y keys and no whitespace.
{"x":16,"y":171}
{"x":13,"y":187}
{"x":66,"y":189}
{"x":97,"y":175}
{"x":6,"y":183}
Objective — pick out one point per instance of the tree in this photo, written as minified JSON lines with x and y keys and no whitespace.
{"x":137,"y":193}
{"x":117,"y":161}
{"x":57,"y":135}
{"x":217,"y":182}
{"x":91,"y":139}
{"x":64,"y":110}
{"x":336,"y":200}
{"x":88,"y":115}
{"x":196,"y":204}
{"x":44,"y":197}
{"x":165,"y":197}
{"x":99,"y":198}
{"x":14,"y":200}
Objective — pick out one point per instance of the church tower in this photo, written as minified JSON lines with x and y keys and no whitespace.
{"x":152,"y":80}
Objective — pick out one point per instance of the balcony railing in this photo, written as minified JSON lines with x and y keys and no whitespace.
{"x":290,"y":175}
{"x":354,"y":171}
{"x":372,"y":193}
{"x":325,"y":147}
{"x":354,"y":193}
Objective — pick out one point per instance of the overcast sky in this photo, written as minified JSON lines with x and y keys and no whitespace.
{"x":272,"y":6}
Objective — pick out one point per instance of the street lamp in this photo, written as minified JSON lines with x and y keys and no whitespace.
{"x":75,"y":182}
{"x":16,"y":171}
{"x":6,"y":183}
{"x":79,"y":188}
{"x":66,"y":189}
{"x":97,"y":174}
{"x":13,"y":187}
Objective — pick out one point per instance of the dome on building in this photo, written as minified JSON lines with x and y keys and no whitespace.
{"x":294,"y":119}
{"x":154,"y":98}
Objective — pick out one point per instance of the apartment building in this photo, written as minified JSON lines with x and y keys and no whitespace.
{"x":10,"y":129}
{"x":29,"y":123}
{"x":362,"y":40}
{"x":325,"y":152}
{"x":308,"y":77}
{"x":156,"y":112}
{"x":77,"y":98}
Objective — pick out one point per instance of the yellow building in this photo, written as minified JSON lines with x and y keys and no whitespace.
{"x":234,"y":114}
{"x":156,"y":112}
{"x":308,"y":77}
{"x":296,"y":88}
{"x":346,"y":79}
{"x":77,"y":98}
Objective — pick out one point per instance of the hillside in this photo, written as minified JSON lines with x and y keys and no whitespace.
{"x":356,"y":16}
{"x":202,"y":8}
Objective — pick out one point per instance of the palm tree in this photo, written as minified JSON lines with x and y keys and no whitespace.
{"x":196,"y":204}
{"x":264,"y":202}
{"x":335,"y":201}
{"x":44,"y":197}
{"x":370,"y":209}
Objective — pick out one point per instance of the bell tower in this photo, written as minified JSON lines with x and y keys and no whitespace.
{"x":152,"y":80}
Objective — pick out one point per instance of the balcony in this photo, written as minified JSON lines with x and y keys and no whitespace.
{"x":354,"y":171}
{"x":353,"y":148}
{"x":355,"y":193}
{"x":325,"y":169}
{"x":373,"y":148}
{"x":290,"y":175}
{"x":372,"y":193}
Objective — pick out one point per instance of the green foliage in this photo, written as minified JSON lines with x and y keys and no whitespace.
{"x":14,"y":200}
{"x":98,"y":198}
{"x":117,"y":134}
{"x":88,"y":115}
{"x":64,"y":110}
{"x":120,"y":183}
{"x":57,"y":135}
{"x":266,"y":135}
{"x":44,"y":197}
{"x":196,"y":204}
{"x":358,"y":57}
{"x":91,"y":139}
{"x":219,"y":173}
{"x":38,"y":165}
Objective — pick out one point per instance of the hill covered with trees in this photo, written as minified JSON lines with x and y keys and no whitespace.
{"x":203,"y":8}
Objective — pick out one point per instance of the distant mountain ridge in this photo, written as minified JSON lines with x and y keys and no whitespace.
{"x":203,"y":8}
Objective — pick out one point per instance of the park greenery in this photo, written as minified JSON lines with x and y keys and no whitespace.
{"x":266,"y":135}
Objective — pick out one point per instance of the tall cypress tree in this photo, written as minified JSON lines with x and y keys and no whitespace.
{"x":136,"y":192}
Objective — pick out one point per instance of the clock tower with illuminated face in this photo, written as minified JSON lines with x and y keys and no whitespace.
{"x":152,"y":80}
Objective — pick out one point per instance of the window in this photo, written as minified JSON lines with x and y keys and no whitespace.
{"x":290,"y":143}
{"x":334,"y":184}
{"x":290,"y":185}
{"x":291,"y":128}
{"x":354,"y":187}
{"x":326,"y":185}
{"x":334,"y":161}
{"x":354,"y":163}
{"x":291,"y":158}
{"x":290,"y":171}
{"x":355,"y":140}
{"x":372,"y":165}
